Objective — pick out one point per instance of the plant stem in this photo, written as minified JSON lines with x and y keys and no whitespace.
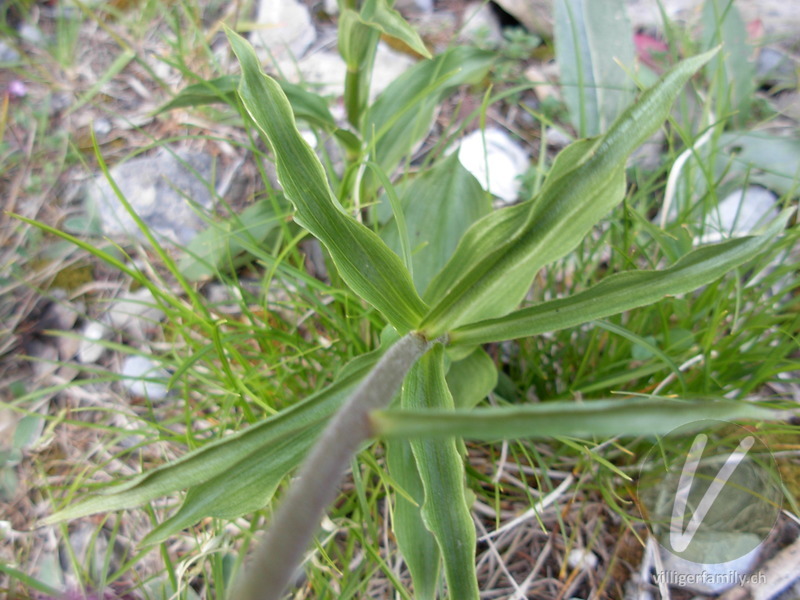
{"x":296,"y":520}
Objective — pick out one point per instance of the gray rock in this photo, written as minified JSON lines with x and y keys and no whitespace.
{"x":481,"y":25}
{"x":136,"y":370}
{"x":284,"y":28}
{"x":31,"y":34}
{"x":89,"y":350}
{"x":535,"y":15}
{"x":411,"y":5}
{"x":740,"y":213}
{"x":133,"y":312}
{"x":161,"y":189}
{"x":7,"y":53}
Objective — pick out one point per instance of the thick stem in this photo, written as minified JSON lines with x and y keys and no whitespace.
{"x":297,"y":519}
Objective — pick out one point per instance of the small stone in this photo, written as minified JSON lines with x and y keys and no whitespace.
{"x":161,"y":189}
{"x":425,"y":6}
{"x":284,"y":29}
{"x":556,"y":138}
{"x":740,"y":213}
{"x":135,"y":370}
{"x":8,"y":54}
{"x":583,"y":559}
{"x":504,"y":157}
{"x":389,"y":65}
{"x":89,"y":351}
{"x":535,"y":15}
{"x":480,"y":24}
{"x":31,"y":34}
{"x":132,"y":312}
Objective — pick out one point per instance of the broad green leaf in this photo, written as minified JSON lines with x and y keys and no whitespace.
{"x":471,"y":379}
{"x":402,"y":115}
{"x":445,"y":510}
{"x":253,"y":448}
{"x":601,"y":418}
{"x":733,"y":69}
{"x":416,"y":543}
{"x":364,"y":262}
{"x":222,"y":244}
{"x":439,"y":206}
{"x":623,"y":291}
{"x":494,"y":264}
{"x":594,"y":46}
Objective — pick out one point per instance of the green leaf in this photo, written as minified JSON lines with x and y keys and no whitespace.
{"x":245,"y":486}
{"x":221,"y":245}
{"x":623,"y":291}
{"x":762,"y":157}
{"x":438,"y":206}
{"x":266,"y":452}
{"x":733,"y":70}
{"x":471,"y":379}
{"x":493,"y":266}
{"x":601,"y":418}
{"x":364,"y":262}
{"x":445,"y":510}
{"x":306,"y":106}
{"x":402,"y":115}
{"x":594,"y":46}
{"x":416,"y":543}
{"x":378,"y":14}
{"x":222,"y":90}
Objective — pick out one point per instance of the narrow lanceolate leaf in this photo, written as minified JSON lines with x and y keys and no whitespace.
{"x":365,"y":263}
{"x":402,"y":115}
{"x":445,"y":510}
{"x":602,"y":418}
{"x":594,"y":46}
{"x":264,"y":452}
{"x":623,"y":291}
{"x":415,"y":541}
{"x":496,"y":261}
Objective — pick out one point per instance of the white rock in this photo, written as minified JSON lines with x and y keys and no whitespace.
{"x":89,"y":350}
{"x":582,"y":558}
{"x":740,"y":213}
{"x":389,"y":65}
{"x":422,"y":5}
{"x":505,"y":158}
{"x":135,"y":369}
{"x":481,"y":24}
{"x":284,"y":28}
{"x":134,"y":311}
{"x":325,"y":71}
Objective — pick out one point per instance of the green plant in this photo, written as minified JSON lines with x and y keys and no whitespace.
{"x":443,"y":293}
